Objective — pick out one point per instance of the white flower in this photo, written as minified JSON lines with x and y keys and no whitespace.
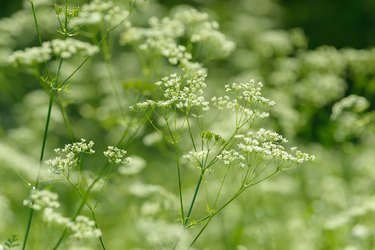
{"x":116,"y":155}
{"x":184,"y":93}
{"x":64,"y":48}
{"x":32,"y":56}
{"x":196,"y":157}
{"x":228,"y":157}
{"x":41,"y":199}
{"x":100,"y":11}
{"x":269,"y":144}
{"x":68,"y":156}
{"x":69,"y":47}
{"x":353,"y":102}
{"x":83,"y":227}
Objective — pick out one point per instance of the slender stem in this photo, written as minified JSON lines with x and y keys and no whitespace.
{"x":190,"y":133}
{"x":180,"y":187}
{"x":243,"y":187}
{"x":74,"y":72}
{"x":91,"y":210}
{"x":221,"y":186}
{"x":194,"y":198}
{"x":45,"y":134}
{"x":31,"y":213}
{"x":97,"y":227}
{"x":202,"y":173}
{"x":83,"y":202}
{"x":38,"y":33}
{"x":178,"y":172}
{"x":201,"y":231}
{"x":87,"y":58}
{"x":66,"y":121}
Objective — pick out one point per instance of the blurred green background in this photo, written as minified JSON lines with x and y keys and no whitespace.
{"x":327,"y":204}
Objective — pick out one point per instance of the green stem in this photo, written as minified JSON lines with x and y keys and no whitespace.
{"x":178,"y":171}
{"x":194,"y":197}
{"x":190,"y":133}
{"x":38,"y":34}
{"x":87,"y":58}
{"x":91,"y":210}
{"x":243,"y":187}
{"x":31,"y":213}
{"x":180,"y":187}
{"x":221,"y":186}
{"x":66,"y":121}
{"x":213,"y":161}
{"x":83,"y":202}
{"x":201,"y":231}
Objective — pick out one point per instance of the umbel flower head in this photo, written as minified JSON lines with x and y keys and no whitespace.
{"x":184,"y":93}
{"x":68,"y":156}
{"x":164,"y":37}
{"x":263,"y":144}
{"x":41,"y":199}
{"x":116,"y":155}
{"x":47,"y":202}
{"x":62,"y":48}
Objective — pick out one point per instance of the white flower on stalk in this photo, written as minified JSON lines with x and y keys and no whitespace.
{"x":116,"y":155}
{"x":83,"y":227}
{"x":266,"y":143}
{"x":231,"y":156}
{"x":99,"y":11}
{"x":41,"y":199}
{"x":184,"y":93}
{"x":196,"y":157}
{"x":68,"y":156}
{"x":57,"y":47}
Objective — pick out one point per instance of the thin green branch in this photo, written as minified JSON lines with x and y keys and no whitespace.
{"x":194,"y":198}
{"x":31,"y":213}
{"x":178,"y":172}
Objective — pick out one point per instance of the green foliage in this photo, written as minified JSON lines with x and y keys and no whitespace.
{"x":11,"y":242}
{"x":196,"y":113}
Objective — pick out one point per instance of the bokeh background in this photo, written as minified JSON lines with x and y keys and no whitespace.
{"x":310,"y":55}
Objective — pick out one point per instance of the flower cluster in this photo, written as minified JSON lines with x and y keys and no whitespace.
{"x":46,"y":202}
{"x":100,"y":11}
{"x":42,"y":199}
{"x":231,"y":156}
{"x":354,"y":103}
{"x":266,"y":143}
{"x":249,"y":93}
{"x":31,"y":56}
{"x":198,"y":157}
{"x":351,"y":117}
{"x":184,"y":93}
{"x":245,"y":98}
{"x":83,"y":227}
{"x":116,"y":155}
{"x":69,"y":47}
{"x":164,"y":34}
{"x":320,"y":89}
{"x":202,"y":30}
{"x":161,"y":37}
{"x":68,"y":156}
{"x":62,"y":48}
